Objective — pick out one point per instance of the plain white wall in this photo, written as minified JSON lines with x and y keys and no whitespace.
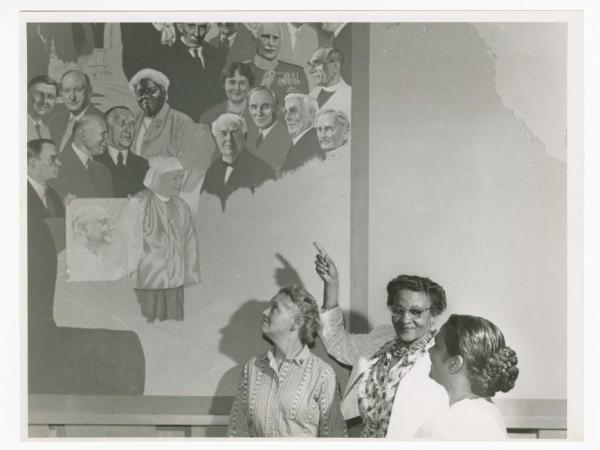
{"x":463,"y":191}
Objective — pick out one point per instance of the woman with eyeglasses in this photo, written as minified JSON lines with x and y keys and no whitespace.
{"x":389,"y":386}
{"x":471,"y":360}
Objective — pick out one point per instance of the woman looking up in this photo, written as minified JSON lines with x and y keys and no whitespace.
{"x":288,"y":391}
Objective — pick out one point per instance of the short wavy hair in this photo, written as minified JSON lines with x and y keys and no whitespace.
{"x":309,"y":104}
{"x":308,"y":318}
{"x":491,"y":364}
{"x":243,"y":68}
{"x":414,"y":283}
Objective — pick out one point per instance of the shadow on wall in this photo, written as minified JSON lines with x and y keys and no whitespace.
{"x":286,"y":275}
{"x":243,"y":324}
{"x":63,"y":360}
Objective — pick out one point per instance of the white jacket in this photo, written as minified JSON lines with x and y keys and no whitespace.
{"x":418,"y":398}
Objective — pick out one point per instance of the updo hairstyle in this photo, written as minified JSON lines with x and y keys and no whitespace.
{"x":491,"y":365}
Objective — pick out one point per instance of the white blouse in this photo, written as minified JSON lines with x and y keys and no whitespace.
{"x":471,"y":419}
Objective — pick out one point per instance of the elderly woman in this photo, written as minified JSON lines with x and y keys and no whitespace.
{"x":288,"y":391}
{"x":170,"y":258}
{"x":390,"y":365}
{"x":237,"y":79}
{"x":163,"y":131}
{"x":471,"y":360}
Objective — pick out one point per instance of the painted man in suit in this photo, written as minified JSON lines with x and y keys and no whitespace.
{"x":332,"y":92}
{"x":237,"y":168}
{"x":235,"y":41}
{"x":163,"y":131}
{"x":41,"y":96}
{"x":300,"y":112}
{"x":42,"y":166}
{"x":81,"y":176}
{"x":194,"y":69}
{"x":42,"y":203}
{"x":76,"y":91}
{"x":272,"y":141}
{"x":127,"y":169}
{"x":280,"y":76}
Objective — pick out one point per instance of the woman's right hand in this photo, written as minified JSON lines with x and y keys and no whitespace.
{"x":325,"y":266}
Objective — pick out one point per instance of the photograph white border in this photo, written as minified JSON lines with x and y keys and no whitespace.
{"x":575,"y":166}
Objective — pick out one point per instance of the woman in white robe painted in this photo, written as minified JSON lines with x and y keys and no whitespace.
{"x":170,"y":254}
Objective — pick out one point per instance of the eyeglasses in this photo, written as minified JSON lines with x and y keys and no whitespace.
{"x":415,"y":313}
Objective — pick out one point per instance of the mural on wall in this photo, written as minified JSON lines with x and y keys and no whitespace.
{"x":192,"y":158}
{"x":464,"y":173}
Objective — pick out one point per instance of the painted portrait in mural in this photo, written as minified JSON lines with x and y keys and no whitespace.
{"x":170,"y":258}
{"x":173,"y":198}
{"x":104,"y":239}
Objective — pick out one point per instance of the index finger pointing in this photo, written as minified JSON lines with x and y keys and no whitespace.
{"x":319,"y":248}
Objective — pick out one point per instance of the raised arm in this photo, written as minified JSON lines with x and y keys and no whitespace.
{"x":327,"y":270}
{"x":345,"y":347}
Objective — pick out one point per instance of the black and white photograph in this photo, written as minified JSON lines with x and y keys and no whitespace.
{"x":270,"y":229}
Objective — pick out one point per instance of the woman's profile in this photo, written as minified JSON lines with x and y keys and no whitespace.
{"x":471,"y":360}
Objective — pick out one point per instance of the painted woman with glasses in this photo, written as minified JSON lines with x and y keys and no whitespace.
{"x":389,"y":386}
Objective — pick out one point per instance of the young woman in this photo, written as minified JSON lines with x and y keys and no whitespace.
{"x":471,"y":361}
{"x":236,"y":79}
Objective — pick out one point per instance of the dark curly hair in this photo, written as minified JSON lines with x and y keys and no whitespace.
{"x":491,"y":365}
{"x":243,"y":68}
{"x":418,"y":284}
{"x":309,"y":312}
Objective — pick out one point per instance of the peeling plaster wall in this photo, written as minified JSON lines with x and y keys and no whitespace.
{"x":462,"y":191}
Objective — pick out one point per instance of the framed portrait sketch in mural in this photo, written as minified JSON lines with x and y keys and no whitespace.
{"x":104,"y":239}
{"x":202,"y":195}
